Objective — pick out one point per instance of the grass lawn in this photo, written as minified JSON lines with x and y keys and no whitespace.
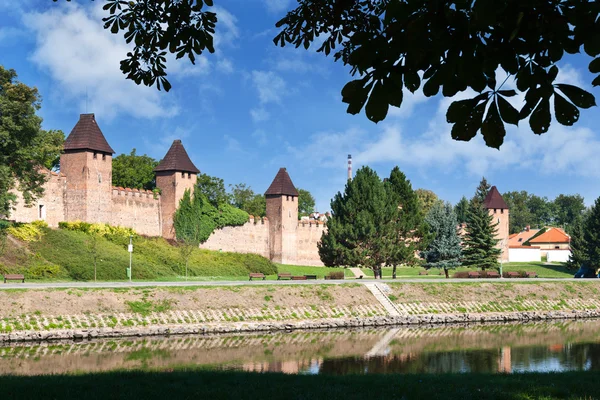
{"x":543,"y":270}
{"x":308,"y":270}
{"x":194,"y":383}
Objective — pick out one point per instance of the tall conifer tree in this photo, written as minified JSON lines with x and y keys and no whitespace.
{"x":479,"y":242}
{"x":482,"y":190}
{"x":578,"y":245}
{"x":407,"y":233}
{"x":444,"y":250}
{"x":461,"y":209}
{"x":360,"y":220}
{"x":592,"y":235}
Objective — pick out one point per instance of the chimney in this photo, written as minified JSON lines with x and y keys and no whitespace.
{"x":349,"y":166}
{"x":527,"y":228}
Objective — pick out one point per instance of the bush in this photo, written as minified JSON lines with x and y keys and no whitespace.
{"x":48,"y":271}
{"x":522,"y":274}
{"x":115,"y":233}
{"x":336,"y":275}
{"x":461,"y":274}
{"x":27,"y":232}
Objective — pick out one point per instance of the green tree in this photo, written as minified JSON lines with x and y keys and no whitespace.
{"x":446,"y":47}
{"x":542,"y":210}
{"x":212,"y":188}
{"x":360,"y":218}
{"x":461,"y":209}
{"x":257,"y":206}
{"x":426,"y":199}
{"x":578,"y":245}
{"x":241,"y":195}
{"x":481,"y":192}
{"x":520,"y":215}
{"x":49,"y":145}
{"x":133,"y":171}
{"x":406,"y":235}
{"x":306,"y":203}
{"x":24,"y":147}
{"x":591,"y":236}
{"x":479,"y":243}
{"x":444,"y":250}
{"x":568,"y":209}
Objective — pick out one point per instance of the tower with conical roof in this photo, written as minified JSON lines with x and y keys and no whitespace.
{"x":282,"y":213}
{"x":86,"y":161}
{"x":174,"y":175}
{"x":498,"y":209}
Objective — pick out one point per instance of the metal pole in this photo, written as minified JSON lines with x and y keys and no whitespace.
{"x":130,"y":254}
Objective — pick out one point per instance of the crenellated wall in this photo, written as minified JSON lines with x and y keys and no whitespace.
{"x":137,"y":209}
{"x":307,"y":236}
{"x":252,"y":237}
{"x":49,"y":207}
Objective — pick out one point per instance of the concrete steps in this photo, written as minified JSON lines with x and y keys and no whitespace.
{"x":383,"y":299}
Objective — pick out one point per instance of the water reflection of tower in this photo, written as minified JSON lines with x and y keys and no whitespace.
{"x":504,"y":362}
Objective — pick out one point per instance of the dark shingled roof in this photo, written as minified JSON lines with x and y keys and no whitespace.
{"x":86,"y":135}
{"x":282,"y":184}
{"x":494,"y":200}
{"x":176,"y":159}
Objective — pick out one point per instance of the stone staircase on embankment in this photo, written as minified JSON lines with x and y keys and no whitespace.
{"x":379,"y":294}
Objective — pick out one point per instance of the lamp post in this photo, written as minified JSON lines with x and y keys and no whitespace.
{"x":130,"y":249}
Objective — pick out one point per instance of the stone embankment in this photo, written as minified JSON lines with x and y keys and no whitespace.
{"x":51,"y":314}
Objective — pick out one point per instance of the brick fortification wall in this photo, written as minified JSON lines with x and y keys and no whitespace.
{"x":50,"y":206}
{"x":308,"y":235}
{"x":252,"y":237}
{"x":136,"y":209}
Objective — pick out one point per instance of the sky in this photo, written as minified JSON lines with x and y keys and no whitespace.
{"x":251,"y":108}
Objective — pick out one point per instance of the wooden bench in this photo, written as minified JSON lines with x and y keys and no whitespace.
{"x":257,"y":275}
{"x":423,"y":272}
{"x":513,"y":274}
{"x":14,"y":277}
{"x":299,"y":278}
{"x":492,"y":274}
{"x":284,"y":275}
{"x":474,"y":274}
{"x":310,"y":276}
{"x":531,"y":274}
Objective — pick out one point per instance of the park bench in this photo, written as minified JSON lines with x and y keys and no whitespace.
{"x":423,"y":272}
{"x":299,"y":278}
{"x":531,"y":274}
{"x":14,"y":277}
{"x":284,"y":275}
{"x":492,"y":274}
{"x":473,"y":274}
{"x":257,"y":275}
{"x":310,"y":276}
{"x":513,"y":274}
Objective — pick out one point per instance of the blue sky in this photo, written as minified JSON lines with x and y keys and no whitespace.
{"x":251,"y":108}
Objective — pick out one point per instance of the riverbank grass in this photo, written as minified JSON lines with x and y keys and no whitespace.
{"x":202,"y":384}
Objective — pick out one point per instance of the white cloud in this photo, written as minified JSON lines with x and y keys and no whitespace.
{"x":260,"y":136}
{"x":259,"y":114}
{"x":233,"y":145}
{"x":276,"y":6}
{"x":270,"y":86}
{"x":225,"y":65}
{"x":74,"y":49}
{"x":226,"y":32}
{"x":157,"y":148}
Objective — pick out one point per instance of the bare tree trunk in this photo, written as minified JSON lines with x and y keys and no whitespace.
{"x":394,"y":272}
{"x":446,"y":272}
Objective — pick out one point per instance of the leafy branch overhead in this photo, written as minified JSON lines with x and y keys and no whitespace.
{"x":436,"y":46}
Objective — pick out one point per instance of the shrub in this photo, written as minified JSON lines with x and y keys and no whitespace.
{"x":461,"y":274}
{"x":336,"y":275}
{"x":48,"y":271}
{"x":27,"y":232}
{"x":105,"y":230}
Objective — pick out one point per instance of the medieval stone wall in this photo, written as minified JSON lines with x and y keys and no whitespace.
{"x":307,"y":236}
{"x":50,"y":207}
{"x":252,"y":237}
{"x":136,"y":209}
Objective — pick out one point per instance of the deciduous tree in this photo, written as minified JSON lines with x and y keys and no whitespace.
{"x":427,"y":199}
{"x":306,"y":203}
{"x":444,"y":250}
{"x":568,"y":209}
{"x":133,"y":171}
{"x":24,"y":147}
{"x":212,"y":188}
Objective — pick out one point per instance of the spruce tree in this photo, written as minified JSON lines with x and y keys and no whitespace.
{"x":592,"y":235}
{"x":461,"y":209}
{"x":482,"y":191}
{"x":444,"y":250}
{"x":479,"y":243}
{"x":407,"y":234}
{"x":360,"y":219}
{"x":578,"y":245}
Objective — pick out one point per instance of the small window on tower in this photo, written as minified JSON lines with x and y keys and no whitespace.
{"x":183,"y":174}
{"x":557,"y":247}
{"x":103,"y":157}
{"x":290,"y":213}
{"x":287,"y":198}
{"x":99,"y":178}
{"x":95,"y":155}
{"x":502,"y":211}
{"x":495,"y":211}
{"x":189,"y":176}
{"x":498,"y":220}
{"x":292,"y":198}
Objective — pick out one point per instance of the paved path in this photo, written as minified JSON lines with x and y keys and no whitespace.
{"x":382,"y":298}
{"x":66,"y":285}
{"x":357,"y":273}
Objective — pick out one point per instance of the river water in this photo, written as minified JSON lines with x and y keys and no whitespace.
{"x":554,"y":346}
